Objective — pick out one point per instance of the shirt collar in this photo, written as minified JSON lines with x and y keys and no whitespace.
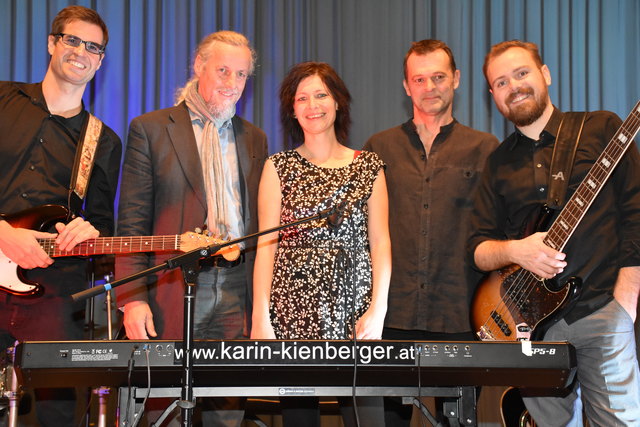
{"x":196,"y":121}
{"x":410,"y":127}
{"x":547,"y":136}
{"x":34,"y":92}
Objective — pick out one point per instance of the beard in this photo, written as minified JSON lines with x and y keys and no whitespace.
{"x":222,"y":113}
{"x":525,"y":114}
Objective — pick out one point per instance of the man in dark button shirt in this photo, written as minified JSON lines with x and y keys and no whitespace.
{"x":603,"y":251}
{"x":433,"y":167}
{"x":40,"y":125}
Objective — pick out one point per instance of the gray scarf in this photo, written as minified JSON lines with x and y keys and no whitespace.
{"x":211,"y":161}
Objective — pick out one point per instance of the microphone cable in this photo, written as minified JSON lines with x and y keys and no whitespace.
{"x":355,"y":361}
{"x":345,"y":268}
{"x":138,"y":416}
{"x":418,"y":401}
{"x":351,"y":264}
{"x":130,"y":365}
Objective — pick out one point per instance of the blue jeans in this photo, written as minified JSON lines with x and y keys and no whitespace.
{"x":220,"y":303}
{"x":219,"y":314}
{"x":607,"y":381}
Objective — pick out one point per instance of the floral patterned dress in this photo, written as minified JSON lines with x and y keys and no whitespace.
{"x":315,"y":289}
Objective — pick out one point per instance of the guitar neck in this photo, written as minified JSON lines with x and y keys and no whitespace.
{"x":575,"y":209}
{"x":115,"y":245}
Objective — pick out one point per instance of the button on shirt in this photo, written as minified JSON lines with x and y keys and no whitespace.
{"x":429,"y":205}
{"x":231,"y":173}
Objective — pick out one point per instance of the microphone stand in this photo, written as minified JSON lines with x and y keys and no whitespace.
{"x":189,"y":263}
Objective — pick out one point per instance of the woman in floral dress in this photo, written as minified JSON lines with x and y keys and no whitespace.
{"x":321,"y":279}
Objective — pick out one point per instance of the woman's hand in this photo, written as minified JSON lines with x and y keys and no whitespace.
{"x":262,"y":331}
{"x":369,"y":326}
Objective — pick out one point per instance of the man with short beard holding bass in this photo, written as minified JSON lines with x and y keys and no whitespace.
{"x":603,"y":250}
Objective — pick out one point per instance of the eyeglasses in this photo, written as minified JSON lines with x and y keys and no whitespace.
{"x":74,"y":41}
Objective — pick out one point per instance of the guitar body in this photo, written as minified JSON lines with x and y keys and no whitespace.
{"x":14,"y":282}
{"x":513,"y":304}
{"x":40,"y":218}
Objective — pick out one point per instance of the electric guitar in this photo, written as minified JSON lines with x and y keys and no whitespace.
{"x":512,"y":302}
{"x":42,"y":218}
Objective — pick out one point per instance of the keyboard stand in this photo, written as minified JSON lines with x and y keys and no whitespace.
{"x":464,"y":409}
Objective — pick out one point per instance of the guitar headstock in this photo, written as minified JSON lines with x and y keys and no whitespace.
{"x":192,"y":240}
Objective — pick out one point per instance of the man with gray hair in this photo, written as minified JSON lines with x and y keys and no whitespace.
{"x":187,"y":166}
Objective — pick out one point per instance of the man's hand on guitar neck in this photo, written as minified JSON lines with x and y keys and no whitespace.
{"x":77,"y":231}
{"x":529,"y":253}
{"x":21,"y":246}
{"x":138,"y":321}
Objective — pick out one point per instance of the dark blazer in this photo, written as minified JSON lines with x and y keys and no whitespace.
{"x":162,"y":192}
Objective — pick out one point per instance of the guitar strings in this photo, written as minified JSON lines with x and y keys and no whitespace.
{"x":100,"y":245}
{"x":521,"y":280}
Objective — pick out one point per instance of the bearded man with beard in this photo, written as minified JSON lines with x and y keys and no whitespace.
{"x":193,"y":164}
{"x":603,"y":251}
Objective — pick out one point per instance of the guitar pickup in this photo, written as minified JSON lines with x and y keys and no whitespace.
{"x":504,"y":327}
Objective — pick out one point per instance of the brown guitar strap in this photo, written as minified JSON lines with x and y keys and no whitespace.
{"x":83,"y":163}
{"x":564,"y":153}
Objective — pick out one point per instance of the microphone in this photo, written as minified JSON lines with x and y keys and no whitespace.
{"x":337,"y":214}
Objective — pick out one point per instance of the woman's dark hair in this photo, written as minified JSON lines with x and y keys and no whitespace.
{"x":336,"y":87}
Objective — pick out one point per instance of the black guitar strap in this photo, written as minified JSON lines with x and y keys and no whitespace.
{"x":83,"y":163}
{"x":564,"y":153}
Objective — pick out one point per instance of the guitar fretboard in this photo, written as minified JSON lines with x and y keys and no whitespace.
{"x":115,"y":245}
{"x":575,"y":209}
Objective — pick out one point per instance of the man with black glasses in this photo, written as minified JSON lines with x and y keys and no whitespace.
{"x":41,"y":136}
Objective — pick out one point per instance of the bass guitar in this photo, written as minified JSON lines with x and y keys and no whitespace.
{"x":512,"y":303}
{"x":42,"y":218}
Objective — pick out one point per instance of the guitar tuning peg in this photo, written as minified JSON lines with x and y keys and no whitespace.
{"x":198,"y":230}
